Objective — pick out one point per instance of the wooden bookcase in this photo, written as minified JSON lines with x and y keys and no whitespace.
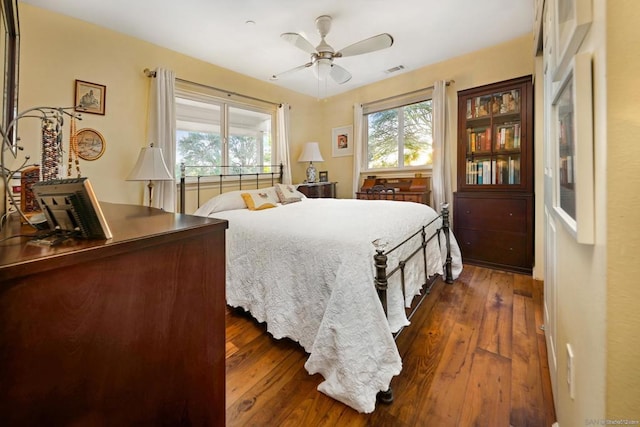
{"x":493,"y":207}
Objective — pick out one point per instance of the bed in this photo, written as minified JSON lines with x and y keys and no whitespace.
{"x":306,"y":269}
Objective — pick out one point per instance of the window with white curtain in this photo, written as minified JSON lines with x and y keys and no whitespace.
{"x":212,"y":131}
{"x":399,"y":132}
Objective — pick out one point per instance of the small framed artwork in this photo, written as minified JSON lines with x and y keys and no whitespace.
{"x":572,"y":121}
{"x":572,"y":21}
{"x":90,"y":144}
{"x":342,"y":141}
{"x":324,"y":176}
{"x":90,"y":97}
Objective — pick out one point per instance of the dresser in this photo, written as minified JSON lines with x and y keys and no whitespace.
{"x":129,"y":331}
{"x":403,"y":189}
{"x":316,"y":190}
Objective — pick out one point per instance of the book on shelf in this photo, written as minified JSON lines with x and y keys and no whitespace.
{"x":514,"y":170}
{"x":508,"y":136}
{"x":481,"y":172}
{"x":482,"y":106}
{"x":479,"y":139}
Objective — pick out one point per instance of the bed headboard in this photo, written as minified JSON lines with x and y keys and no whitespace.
{"x":249,"y":175}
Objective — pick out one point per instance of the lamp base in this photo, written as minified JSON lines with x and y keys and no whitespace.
{"x":311,"y":173}
{"x":150,"y":185}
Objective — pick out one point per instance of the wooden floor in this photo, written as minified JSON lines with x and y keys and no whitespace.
{"x":474,"y":355}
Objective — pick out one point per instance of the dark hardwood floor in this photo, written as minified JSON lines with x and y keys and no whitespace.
{"x":474,"y":355}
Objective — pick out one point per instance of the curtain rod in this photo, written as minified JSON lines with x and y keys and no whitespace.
{"x":447,"y":83}
{"x":150,"y":73}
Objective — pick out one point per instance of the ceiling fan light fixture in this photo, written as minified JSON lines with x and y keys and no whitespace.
{"x":323,"y":55}
{"x":322,"y":68}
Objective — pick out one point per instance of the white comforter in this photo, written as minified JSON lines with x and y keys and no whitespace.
{"x":306,"y":269}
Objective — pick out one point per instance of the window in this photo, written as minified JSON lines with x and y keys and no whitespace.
{"x":211,"y":132}
{"x":399,"y":133}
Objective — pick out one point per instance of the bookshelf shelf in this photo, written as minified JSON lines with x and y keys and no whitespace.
{"x":493,"y":214}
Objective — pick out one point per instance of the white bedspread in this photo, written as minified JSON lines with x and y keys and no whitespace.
{"x":306,"y":269}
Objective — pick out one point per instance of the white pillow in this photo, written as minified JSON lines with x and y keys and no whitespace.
{"x":230,"y":201}
{"x":287,"y":193}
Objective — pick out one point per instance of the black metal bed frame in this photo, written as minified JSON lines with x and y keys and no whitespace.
{"x":381,"y":257}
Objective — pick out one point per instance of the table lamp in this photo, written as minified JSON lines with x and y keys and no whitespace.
{"x":150,"y":167}
{"x":311,"y":153}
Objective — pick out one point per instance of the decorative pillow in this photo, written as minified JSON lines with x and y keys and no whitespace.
{"x":258,"y":200}
{"x":287,"y":193}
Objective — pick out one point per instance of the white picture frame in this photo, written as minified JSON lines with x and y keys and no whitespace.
{"x":342,"y":141}
{"x":572,"y":121}
{"x":572,"y":19}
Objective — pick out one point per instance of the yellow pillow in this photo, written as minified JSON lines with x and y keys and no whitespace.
{"x":259,"y":200}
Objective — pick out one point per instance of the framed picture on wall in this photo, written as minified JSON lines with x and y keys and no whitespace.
{"x":572,"y":120}
{"x":90,"y":97}
{"x":572,"y":19}
{"x":342,"y":141}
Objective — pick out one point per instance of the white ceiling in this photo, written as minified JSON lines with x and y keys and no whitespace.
{"x":215,"y":31}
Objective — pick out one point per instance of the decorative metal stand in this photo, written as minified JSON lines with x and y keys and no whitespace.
{"x":52,"y":122}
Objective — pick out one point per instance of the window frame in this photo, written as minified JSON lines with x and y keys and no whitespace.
{"x":395,"y":102}
{"x":199,"y":93}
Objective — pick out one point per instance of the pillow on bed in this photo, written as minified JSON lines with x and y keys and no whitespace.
{"x":260,"y":199}
{"x":229,"y":201}
{"x":287,"y":194}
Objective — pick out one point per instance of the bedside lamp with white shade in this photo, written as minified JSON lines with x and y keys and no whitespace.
{"x":150,"y":167}
{"x":311,"y":153}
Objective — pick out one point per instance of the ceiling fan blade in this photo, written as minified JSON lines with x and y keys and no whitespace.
{"x":339,"y":74}
{"x":300,"y":42}
{"x":381,"y":41}
{"x":284,"y":73}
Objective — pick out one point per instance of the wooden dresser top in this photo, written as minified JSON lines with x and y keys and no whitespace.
{"x":133,"y":227}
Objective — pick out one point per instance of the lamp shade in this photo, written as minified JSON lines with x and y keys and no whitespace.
{"x":311,"y":153}
{"x":150,"y":166}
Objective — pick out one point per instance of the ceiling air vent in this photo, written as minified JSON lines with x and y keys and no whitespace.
{"x":394,"y":69}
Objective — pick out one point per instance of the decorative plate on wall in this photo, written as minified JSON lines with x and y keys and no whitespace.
{"x":90,"y":144}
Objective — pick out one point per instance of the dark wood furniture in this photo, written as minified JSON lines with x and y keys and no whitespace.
{"x":129,"y":331}
{"x":404,"y":189}
{"x":494,"y":204}
{"x":318,"y":189}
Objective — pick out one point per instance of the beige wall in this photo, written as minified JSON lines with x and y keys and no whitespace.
{"x":623,"y":210}
{"x":581,"y":318}
{"x":56,"y":50}
{"x":597,"y":296}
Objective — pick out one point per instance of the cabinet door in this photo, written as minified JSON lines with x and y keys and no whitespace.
{"x":495,"y":130}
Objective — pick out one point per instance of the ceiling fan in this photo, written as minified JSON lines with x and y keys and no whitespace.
{"x":322,"y":56}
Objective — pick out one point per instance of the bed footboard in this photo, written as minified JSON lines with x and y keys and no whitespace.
{"x":383,"y":273}
{"x":381,"y":257}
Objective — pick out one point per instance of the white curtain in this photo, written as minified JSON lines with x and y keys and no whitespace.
{"x":441,"y":179}
{"x":358,"y":148}
{"x":282,"y":148}
{"x":162,"y":133}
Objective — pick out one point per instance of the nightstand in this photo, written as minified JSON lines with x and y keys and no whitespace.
{"x":317,"y":190}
